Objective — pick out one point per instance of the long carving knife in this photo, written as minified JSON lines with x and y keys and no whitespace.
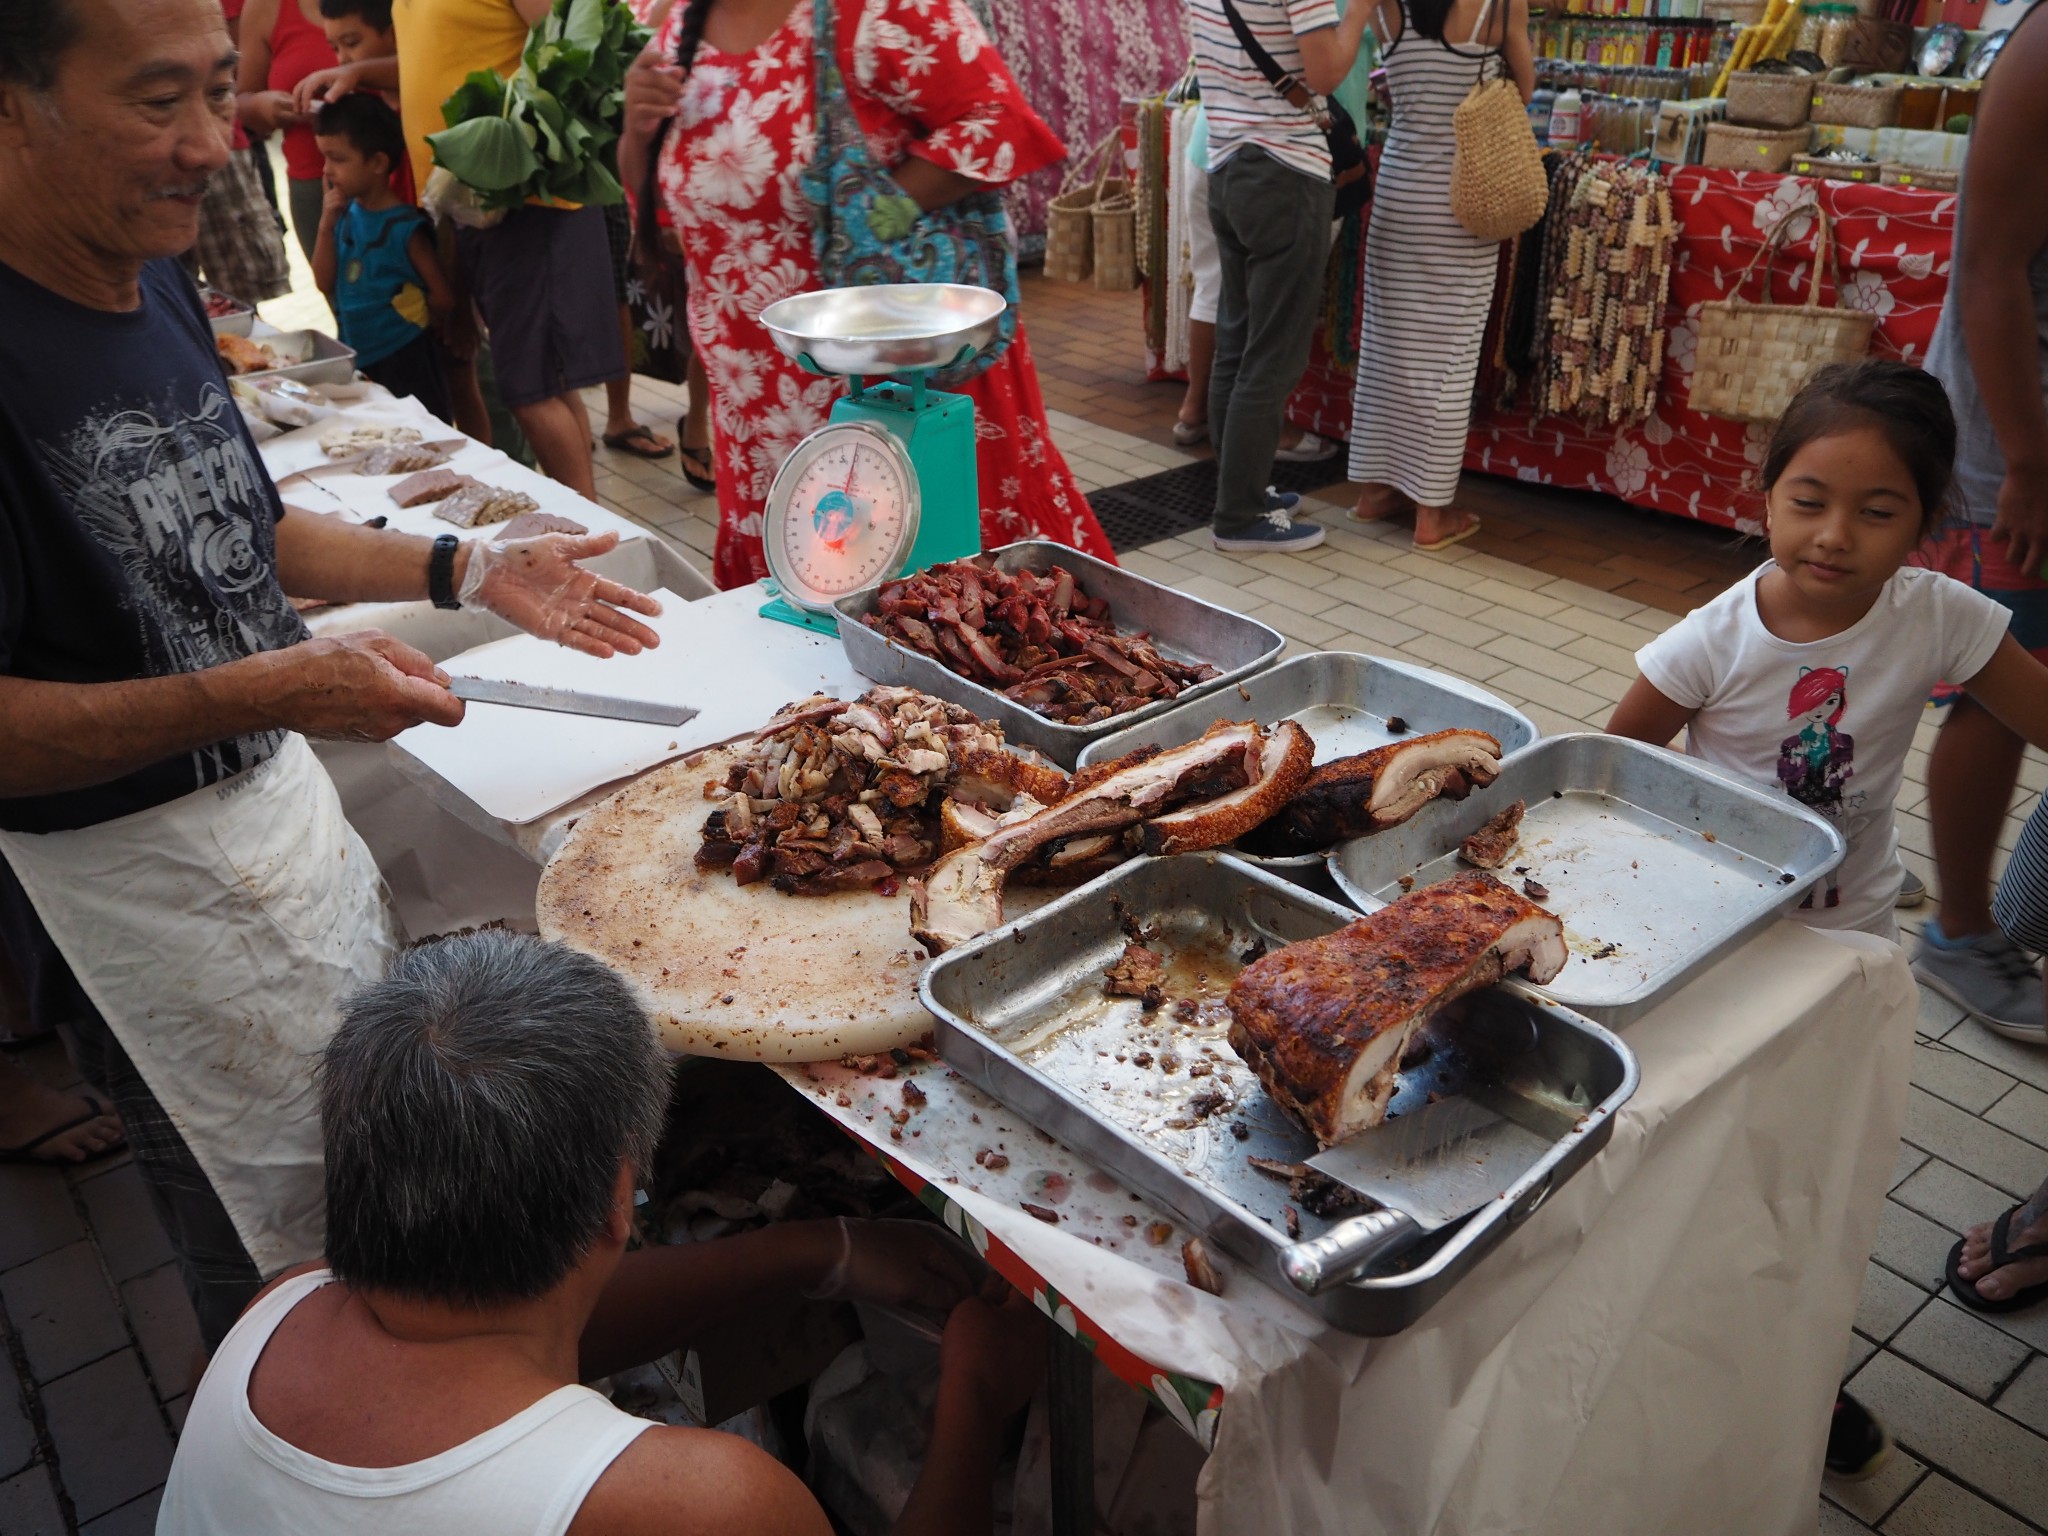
{"x":568,"y":701}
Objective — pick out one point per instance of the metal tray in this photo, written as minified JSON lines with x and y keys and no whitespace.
{"x":1021,"y":1013}
{"x":1343,"y":700}
{"x":1642,"y":849}
{"x":316,"y":358}
{"x":1183,"y":627}
{"x":238,"y":323}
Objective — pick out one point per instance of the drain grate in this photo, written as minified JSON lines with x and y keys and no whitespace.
{"x":1176,"y":501}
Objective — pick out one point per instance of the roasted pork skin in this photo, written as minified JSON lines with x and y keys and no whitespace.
{"x":1367,"y":791}
{"x":1285,"y":762}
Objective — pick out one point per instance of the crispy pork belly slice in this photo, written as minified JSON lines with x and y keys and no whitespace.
{"x":960,"y":899}
{"x":996,"y":779}
{"x":1413,"y":773}
{"x":1324,"y":1023}
{"x":1489,"y":847}
{"x":1224,"y":759}
{"x":1284,"y":765}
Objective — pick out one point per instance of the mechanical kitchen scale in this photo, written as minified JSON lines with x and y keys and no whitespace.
{"x":889,"y":484}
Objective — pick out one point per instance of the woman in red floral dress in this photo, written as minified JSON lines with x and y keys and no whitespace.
{"x":927,"y":86}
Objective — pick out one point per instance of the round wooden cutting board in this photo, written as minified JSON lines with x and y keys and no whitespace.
{"x":739,"y":971}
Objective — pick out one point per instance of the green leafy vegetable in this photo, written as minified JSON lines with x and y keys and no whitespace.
{"x":551,"y":129}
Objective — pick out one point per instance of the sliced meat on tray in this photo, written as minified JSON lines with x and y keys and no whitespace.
{"x":1371,"y":790}
{"x":1493,"y":844}
{"x":1324,"y":1023}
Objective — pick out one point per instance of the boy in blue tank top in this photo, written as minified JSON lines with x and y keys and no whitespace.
{"x":374,"y":256}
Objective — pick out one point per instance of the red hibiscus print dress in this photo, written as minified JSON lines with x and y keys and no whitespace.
{"x":924,"y":80}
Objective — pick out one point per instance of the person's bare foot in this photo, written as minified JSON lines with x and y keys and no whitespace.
{"x":1440,"y":527}
{"x":30,"y":1111}
{"x":1377,"y":503}
{"x":2029,"y":1225}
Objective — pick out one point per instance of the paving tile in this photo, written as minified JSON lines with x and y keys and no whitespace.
{"x":1835,"y":1521}
{"x":124,"y":1223}
{"x":1960,"y":1349}
{"x":1951,"y":1197}
{"x":1454,"y":627}
{"x":111,"y":1443}
{"x":1432,"y":651}
{"x":28,"y":1505}
{"x":1581,"y":574}
{"x":1361,"y":624}
{"x":2030,"y":1327}
{"x":1956,"y":1136}
{"x":1283,"y":593}
{"x":17,"y":1435}
{"x":1952,"y":1430}
{"x":1938,"y":1016}
{"x":1962,"y":1080}
{"x":1631,"y":635}
{"x":1497,"y":574}
{"x":1653,"y":596}
{"x":36,"y":1214}
{"x":1860,"y":1350}
{"x":1911,"y":1246}
{"x":1519,"y":683}
{"x":1301,"y":569}
{"x":1418,"y":590}
{"x":1906,"y":1161}
{"x":61,"y":1307}
{"x":2026,"y":1397}
{"x":1603,"y":653}
{"x":1886,"y":1302}
{"x":1610,"y":687}
{"x":2024,"y":1112}
{"x":1552,"y":722}
{"x":1309,"y":629}
{"x":1545,"y":660}
{"x":1152,"y":566}
{"x":1939,"y":1508}
{"x":135,"y":1518}
{"x":165,"y":1326}
{"x":1879,"y":1494}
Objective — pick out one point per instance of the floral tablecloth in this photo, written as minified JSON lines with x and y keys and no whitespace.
{"x":1895,"y":248}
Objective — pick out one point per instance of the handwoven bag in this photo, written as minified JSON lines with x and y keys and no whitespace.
{"x":1115,"y":217}
{"x":1751,"y":359}
{"x":1498,"y":188}
{"x":1069,"y":226}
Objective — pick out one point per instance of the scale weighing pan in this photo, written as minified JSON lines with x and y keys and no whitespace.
{"x":890,"y":483}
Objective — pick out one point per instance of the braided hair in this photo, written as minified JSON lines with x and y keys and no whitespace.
{"x":646,"y":224}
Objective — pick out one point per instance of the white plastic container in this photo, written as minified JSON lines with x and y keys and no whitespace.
{"x":1566,"y":118}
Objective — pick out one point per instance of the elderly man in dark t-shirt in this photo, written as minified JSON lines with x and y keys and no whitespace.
{"x":178,"y":841}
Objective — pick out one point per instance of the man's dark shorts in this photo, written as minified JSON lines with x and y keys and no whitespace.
{"x":543,"y":280}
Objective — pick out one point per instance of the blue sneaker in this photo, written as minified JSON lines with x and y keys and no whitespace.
{"x":1274,"y":532}
{"x":1278,"y":500}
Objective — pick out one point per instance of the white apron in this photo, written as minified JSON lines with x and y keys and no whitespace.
{"x":216,"y":934}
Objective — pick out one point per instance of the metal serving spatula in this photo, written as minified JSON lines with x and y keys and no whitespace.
{"x":1427,"y":1169}
{"x":568,"y":701}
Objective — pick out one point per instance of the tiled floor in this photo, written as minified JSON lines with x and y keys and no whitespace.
{"x":1545,"y":609}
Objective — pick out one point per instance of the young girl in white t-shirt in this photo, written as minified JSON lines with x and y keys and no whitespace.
{"x":1809,"y":676}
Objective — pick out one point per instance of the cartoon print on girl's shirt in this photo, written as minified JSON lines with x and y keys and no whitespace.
{"x":1816,"y":762}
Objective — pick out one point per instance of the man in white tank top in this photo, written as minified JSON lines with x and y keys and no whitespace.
{"x":485,"y":1110}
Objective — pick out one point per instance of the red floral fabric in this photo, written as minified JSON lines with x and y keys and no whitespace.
{"x":924,"y":80}
{"x":1895,"y":245}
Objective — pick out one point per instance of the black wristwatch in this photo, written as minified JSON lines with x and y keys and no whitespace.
{"x":441,"y":571}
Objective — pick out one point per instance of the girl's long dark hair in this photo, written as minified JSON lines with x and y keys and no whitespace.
{"x":647,"y":206}
{"x":1429,"y":16}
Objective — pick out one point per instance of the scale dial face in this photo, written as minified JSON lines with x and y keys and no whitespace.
{"x":842,"y":514}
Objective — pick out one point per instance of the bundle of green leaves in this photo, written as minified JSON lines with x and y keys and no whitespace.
{"x":550,"y":130}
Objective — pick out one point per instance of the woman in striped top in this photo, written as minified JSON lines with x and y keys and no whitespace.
{"x":1428,"y":281}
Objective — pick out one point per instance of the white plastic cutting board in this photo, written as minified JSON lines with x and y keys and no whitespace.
{"x":717,"y":654}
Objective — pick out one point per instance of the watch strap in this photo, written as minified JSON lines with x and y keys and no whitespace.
{"x":441,"y":571}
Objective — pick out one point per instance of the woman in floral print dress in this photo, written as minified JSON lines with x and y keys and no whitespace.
{"x":936,"y":103}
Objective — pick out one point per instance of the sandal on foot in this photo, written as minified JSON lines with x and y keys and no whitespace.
{"x":640,"y":441}
{"x":1189,"y":433}
{"x":26,"y":1152}
{"x":1460,"y":536}
{"x":1966,"y":1291}
{"x":692,"y":461}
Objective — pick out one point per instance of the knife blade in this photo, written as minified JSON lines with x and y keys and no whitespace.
{"x":568,"y":701}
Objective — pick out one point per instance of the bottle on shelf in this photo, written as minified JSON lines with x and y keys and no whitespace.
{"x":1566,"y":118}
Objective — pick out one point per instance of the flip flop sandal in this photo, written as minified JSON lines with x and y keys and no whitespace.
{"x":1966,"y":1291}
{"x":25,"y":1153}
{"x":1189,"y":433}
{"x":630,"y":441}
{"x":698,"y":456}
{"x":1471,"y":527}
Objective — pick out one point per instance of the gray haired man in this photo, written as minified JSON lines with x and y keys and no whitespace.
{"x":487,"y":1110}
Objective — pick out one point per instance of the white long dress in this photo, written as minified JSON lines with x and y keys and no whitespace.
{"x":1428,"y":283}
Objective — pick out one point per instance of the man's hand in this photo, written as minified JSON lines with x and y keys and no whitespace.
{"x":2023,"y":516}
{"x":537,"y":584}
{"x":908,"y":1264}
{"x":359,"y":687}
{"x":994,"y":1354}
{"x":266,"y":112}
{"x":654,"y":89}
{"x":325,"y":85}
{"x":457,"y":330}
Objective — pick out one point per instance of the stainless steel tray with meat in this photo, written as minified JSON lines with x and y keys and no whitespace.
{"x":1655,"y":862}
{"x":1500,"y":1097}
{"x":1210,"y":647}
{"x":1348,"y":703}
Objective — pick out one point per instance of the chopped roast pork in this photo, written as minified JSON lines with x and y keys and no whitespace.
{"x":1490,"y":846}
{"x":1368,"y":791}
{"x":1138,"y":972}
{"x":1325,"y":1023}
{"x":959,"y":900}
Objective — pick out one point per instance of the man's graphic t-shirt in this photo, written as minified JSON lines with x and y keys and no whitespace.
{"x":1827,"y":722}
{"x":137,"y":524}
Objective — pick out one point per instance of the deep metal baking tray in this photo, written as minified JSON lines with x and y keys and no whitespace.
{"x":311,"y":357}
{"x":239,"y":321}
{"x":1344,"y":701}
{"x":1656,"y":863}
{"x":1022,"y":1014}
{"x":1182,"y":627}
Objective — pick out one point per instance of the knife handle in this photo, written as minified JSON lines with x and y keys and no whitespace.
{"x":1314,"y":1266}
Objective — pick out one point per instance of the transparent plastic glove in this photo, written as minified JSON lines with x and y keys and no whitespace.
{"x":537,"y":585}
{"x":909,"y":1264}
